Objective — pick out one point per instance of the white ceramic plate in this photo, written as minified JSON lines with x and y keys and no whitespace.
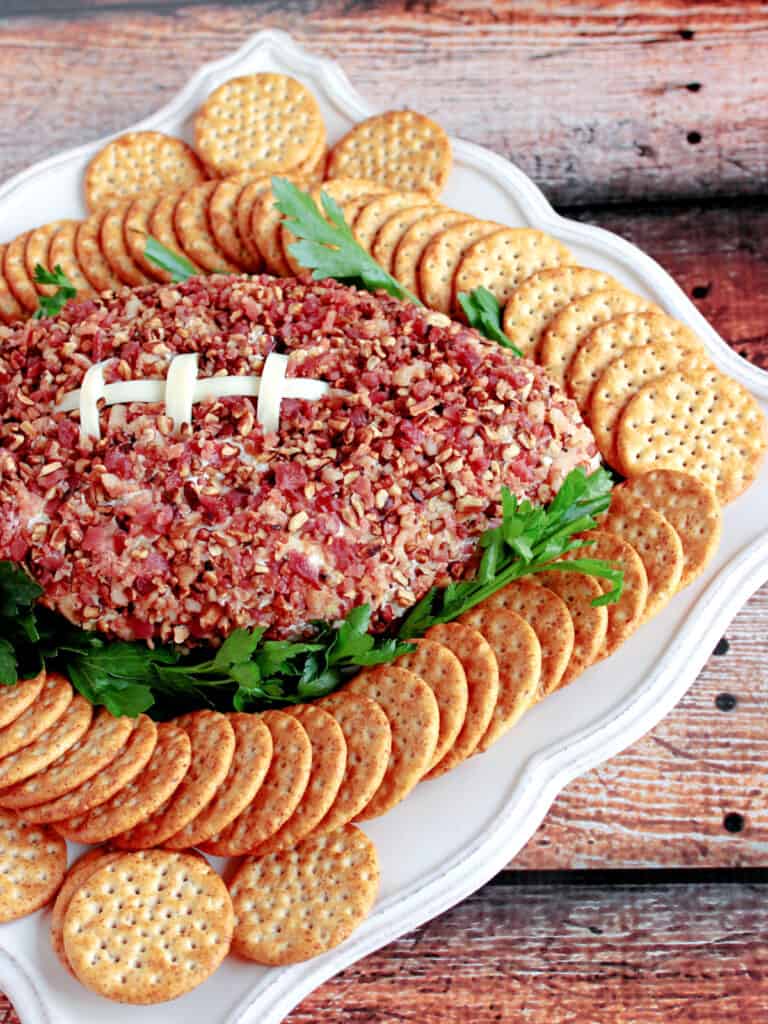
{"x":454,"y":833}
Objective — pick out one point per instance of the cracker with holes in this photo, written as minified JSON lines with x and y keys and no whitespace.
{"x":538,"y":300}
{"x":190,"y":222}
{"x":145,"y":794}
{"x":115,"y":248}
{"x":37,"y":252}
{"x":503,"y":260}
{"x":414,"y":718}
{"x":57,"y":739}
{"x":223,"y":221}
{"x":148,"y":927}
{"x":563,"y":335}
{"x":10,"y":309}
{"x":51,"y":703}
{"x":699,"y":422}
{"x":161,"y":225}
{"x":77,"y":875}
{"x":14,"y":700}
{"x":393,"y":230}
{"x":279,"y":794}
{"x":627,"y":613}
{"x":63,"y":253}
{"x":623,"y":378}
{"x":368,"y":737}
{"x":90,"y":257}
{"x":137,"y":231}
{"x":140,"y":162}
{"x":590,"y":624}
{"x":212,"y":741}
{"x":377,"y":211}
{"x":33,"y":861}
{"x":692,"y":509}
{"x":15,"y":273}
{"x":265,"y":232}
{"x":518,"y":654}
{"x":400,"y":149}
{"x":411,"y":247}
{"x":264,"y":123}
{"x":293,"y":905}
{"x":243,"y":212}
{"x":250,"y":761}
{"x":598,"y":350}
{"x":481,"y":670}
{"x":441,"y":670}
{"x":441,"y":260}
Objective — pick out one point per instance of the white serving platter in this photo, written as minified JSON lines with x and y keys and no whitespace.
{"x":453,"y":834}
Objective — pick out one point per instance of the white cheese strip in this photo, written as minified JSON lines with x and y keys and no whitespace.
{"x":91,"y":393}
{"x":180,"y":388}
{"x":271,"y":392}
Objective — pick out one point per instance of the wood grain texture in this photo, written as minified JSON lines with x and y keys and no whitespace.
{"x":597,"y":102}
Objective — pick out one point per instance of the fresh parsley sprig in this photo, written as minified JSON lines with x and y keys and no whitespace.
{"x":51,"y":305}
{"x":528,"y":540}
{"x":178,"y":266}
{"x":484,"y":314}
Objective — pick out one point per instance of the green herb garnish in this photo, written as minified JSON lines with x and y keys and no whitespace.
{"x":174,"y":263}
{"x":528,"y":540}
{"x":51,"y":305}
{"x":484,"y":314}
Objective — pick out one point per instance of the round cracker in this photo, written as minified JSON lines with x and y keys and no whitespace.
{"x":115,"y":249}
{"x":250,"y":761}
{"x":79,"y":873}
{"x":538,"y":300}
{"x":264,"y":232}
{"x":248,"y":197}
{"x":590,"y":624}
{"x":378,"y":210}
{"x":190,"y":221}
{"x":161,"y":225}
{"x":33,"y":861}
{"x":137,"y":230}
{"x":37,"y":253}
{"x":122,"y":769}
{"x":278,"y":796}
{"x":313,"y":166}
{"x":623,"y":378}
{"x":368,"y":737}
{"x":329,"y":757}
{"x":518,"y":654}
{"x":148,"y":927}
{"x":441,"y":670}
{"x":293,"y":905}
{"x":141,"y":797}
{"x":626,"y":615}
{"x":568,"y":329}
{"x":698,"y":421}
{"x":393,"y":230}
{"x":14,"y":700}
{"x":691,"y":507}
{"x":98,"y":747}
{"x":414,"y":718}
{"x":49,"y":745}
{"x":548,"y":616}
{"x":400,"y":149}
{"x":610,"y":340}
{"x":140,"y":162}
{"x":213,"y":747}
{"x":51,"y":703}
{"x":15,"y":273}
{"x":503,"y":260}
{"x":223,"y":221}
{"x":410,"y":249}
{"x":264,"y":123}
{"x":442,"y":257}
{"x":656,"y":541}
{"x":481,"y":670}
{"x":10,"y":308}
{"x":91,"y":258}
{"x":63,"y":254}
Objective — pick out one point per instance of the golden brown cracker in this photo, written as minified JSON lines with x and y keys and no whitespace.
{"x":51,"y":703}
{"x":691,"y":507}
{"x":590,"y":624}
{"x":378,"y":210}
{"x":79,"y":873}
{"x":148,"y":927}
{"x":90,"y":257}
{"x":518,"y":653}
{"x":223,"y":220}
{"x":16,"y":275}
{"x":411,"y":708}
{"x":247,"y":199}
{"x":63,"y":254}
{"x":37,"y":253}
{"x":33,"y":861}
{"x":442,"y":258}
{"x":538,"y":300}
{"x":568,"y":329}
{"x":400,"y":149}
{"x":441,"y":670}
{"x":481,"y":670}
{"x":410,"y":249}
{"x":548,"y":616}
{"x":393,"y":230}
{"x":161,"y":225}
{"x":368,"y":737}
{"x":278,"y":796}
{"x":265,"y":123}
{"x":699,"y":422}
{"x":11,"y":310}
{"x":137,"y":231}
{"x":14,"y":700}
{"x":213,"y":745}
{"x":190,"y":221}
{"x":57,"y":739}
{"x":250,"y":761}
{"x":115,"y":249}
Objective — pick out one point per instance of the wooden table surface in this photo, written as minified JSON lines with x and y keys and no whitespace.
{"x":641,"y":898}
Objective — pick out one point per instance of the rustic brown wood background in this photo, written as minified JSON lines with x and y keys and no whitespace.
{"x":641,"y":899}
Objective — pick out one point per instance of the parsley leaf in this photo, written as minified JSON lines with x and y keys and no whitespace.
{"x":51,"y":305}
{"x":484,"y":314}
{"x":178,"y":266}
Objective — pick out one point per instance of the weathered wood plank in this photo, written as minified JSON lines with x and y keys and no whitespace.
{"x":596,"y":104}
